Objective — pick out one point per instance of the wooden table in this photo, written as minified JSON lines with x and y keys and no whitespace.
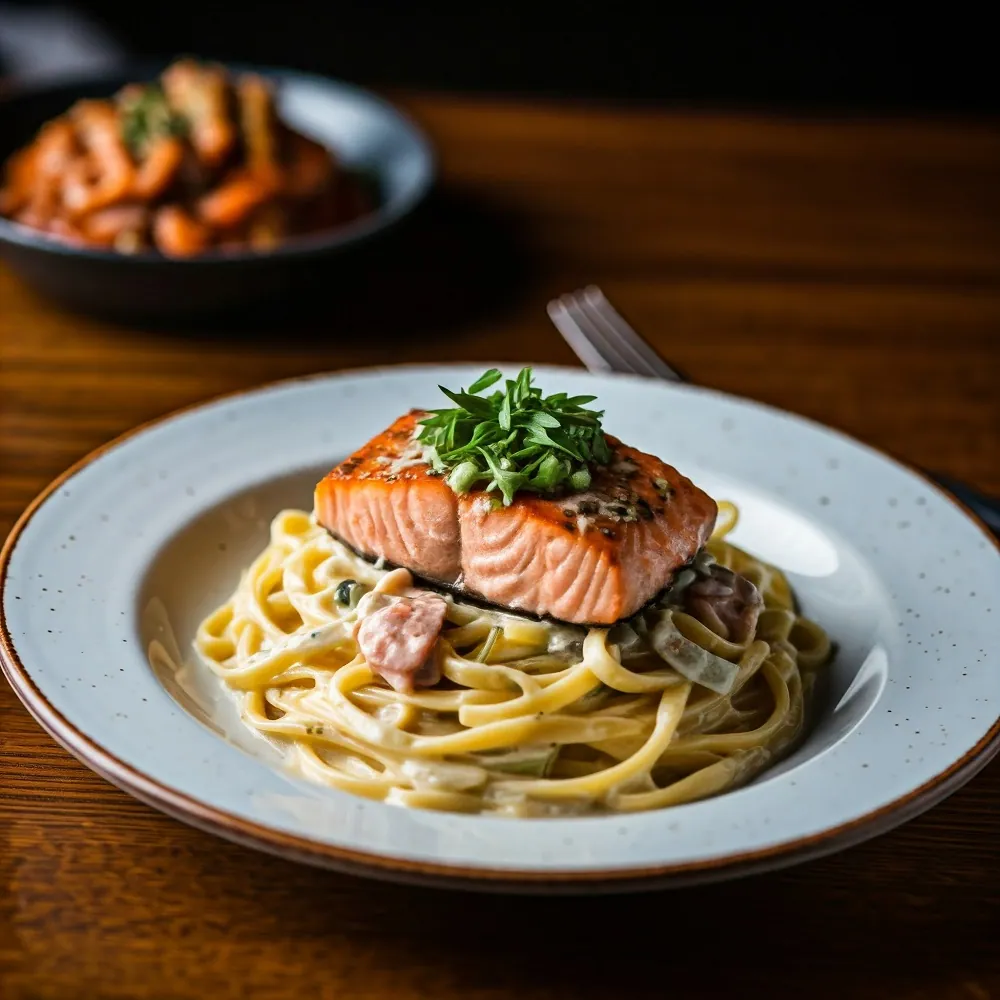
{"x":848,"y":271}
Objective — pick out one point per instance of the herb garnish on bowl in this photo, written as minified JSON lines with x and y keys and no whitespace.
{"x":146,"y":116}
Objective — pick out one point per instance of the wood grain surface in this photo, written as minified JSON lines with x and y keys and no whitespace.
{"x":846,"y":270}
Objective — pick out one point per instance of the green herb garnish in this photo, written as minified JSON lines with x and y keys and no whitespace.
{"x":146,"y":115}
{"x":515,"y":439}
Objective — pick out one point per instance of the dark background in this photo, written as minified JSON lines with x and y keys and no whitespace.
{"x":840,"y":59}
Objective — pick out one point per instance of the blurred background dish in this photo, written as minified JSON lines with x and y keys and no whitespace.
{"x":378,"y":148}
{"x":195,"y":160}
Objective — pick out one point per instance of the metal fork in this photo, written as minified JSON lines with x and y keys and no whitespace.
{"x":602,"y":339}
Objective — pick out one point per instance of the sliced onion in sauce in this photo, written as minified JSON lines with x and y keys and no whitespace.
{"x":689,"y":659}
{"x":532,"y":761}
{"x":627,"y":639}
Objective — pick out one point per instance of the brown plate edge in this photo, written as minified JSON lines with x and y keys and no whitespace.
{"x":247,"y":833}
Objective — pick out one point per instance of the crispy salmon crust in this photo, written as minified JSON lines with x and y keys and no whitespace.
{"x":589,"y":558}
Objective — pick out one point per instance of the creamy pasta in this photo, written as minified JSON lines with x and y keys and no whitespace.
{"x":530,"y":718}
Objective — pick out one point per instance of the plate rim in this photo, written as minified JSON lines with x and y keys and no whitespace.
{"x":227,"y":825}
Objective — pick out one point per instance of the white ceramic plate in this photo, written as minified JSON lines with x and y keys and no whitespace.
{"x":146,"y":536}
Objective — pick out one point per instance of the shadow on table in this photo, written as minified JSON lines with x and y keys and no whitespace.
{"x":807,"y":932}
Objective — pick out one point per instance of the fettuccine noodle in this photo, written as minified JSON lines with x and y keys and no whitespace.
{"x":531,"y":718}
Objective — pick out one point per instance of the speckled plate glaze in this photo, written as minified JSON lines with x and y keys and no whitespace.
{"x":145,"y":536}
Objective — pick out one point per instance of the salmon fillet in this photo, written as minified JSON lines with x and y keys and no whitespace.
{"x":588,"y":558}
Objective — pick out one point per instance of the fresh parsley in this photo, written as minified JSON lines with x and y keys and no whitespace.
{"x":146,"y":115}
{"x":515,"y":439}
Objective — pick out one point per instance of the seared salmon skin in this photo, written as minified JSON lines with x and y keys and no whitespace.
{"x":588,"y":558}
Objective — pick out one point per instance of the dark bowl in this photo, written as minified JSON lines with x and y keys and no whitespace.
{"x":372,"y":139}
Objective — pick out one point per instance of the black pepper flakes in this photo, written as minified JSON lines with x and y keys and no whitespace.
{"x":608,"y":533}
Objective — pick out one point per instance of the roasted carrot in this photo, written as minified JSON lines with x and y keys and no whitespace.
{"x":98,"y":127}
{"x":159,"y":168}
{"x":234,"y":199}
{"x":178,"y":234}
{"x":56,"y":146}
{"x":19,"y":180}
{"x":42,"y":204}
{"x":31,"y":171}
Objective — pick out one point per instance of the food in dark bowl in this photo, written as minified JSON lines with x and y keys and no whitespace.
{"x":197,"y":159}
{"x":249,"y":215}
